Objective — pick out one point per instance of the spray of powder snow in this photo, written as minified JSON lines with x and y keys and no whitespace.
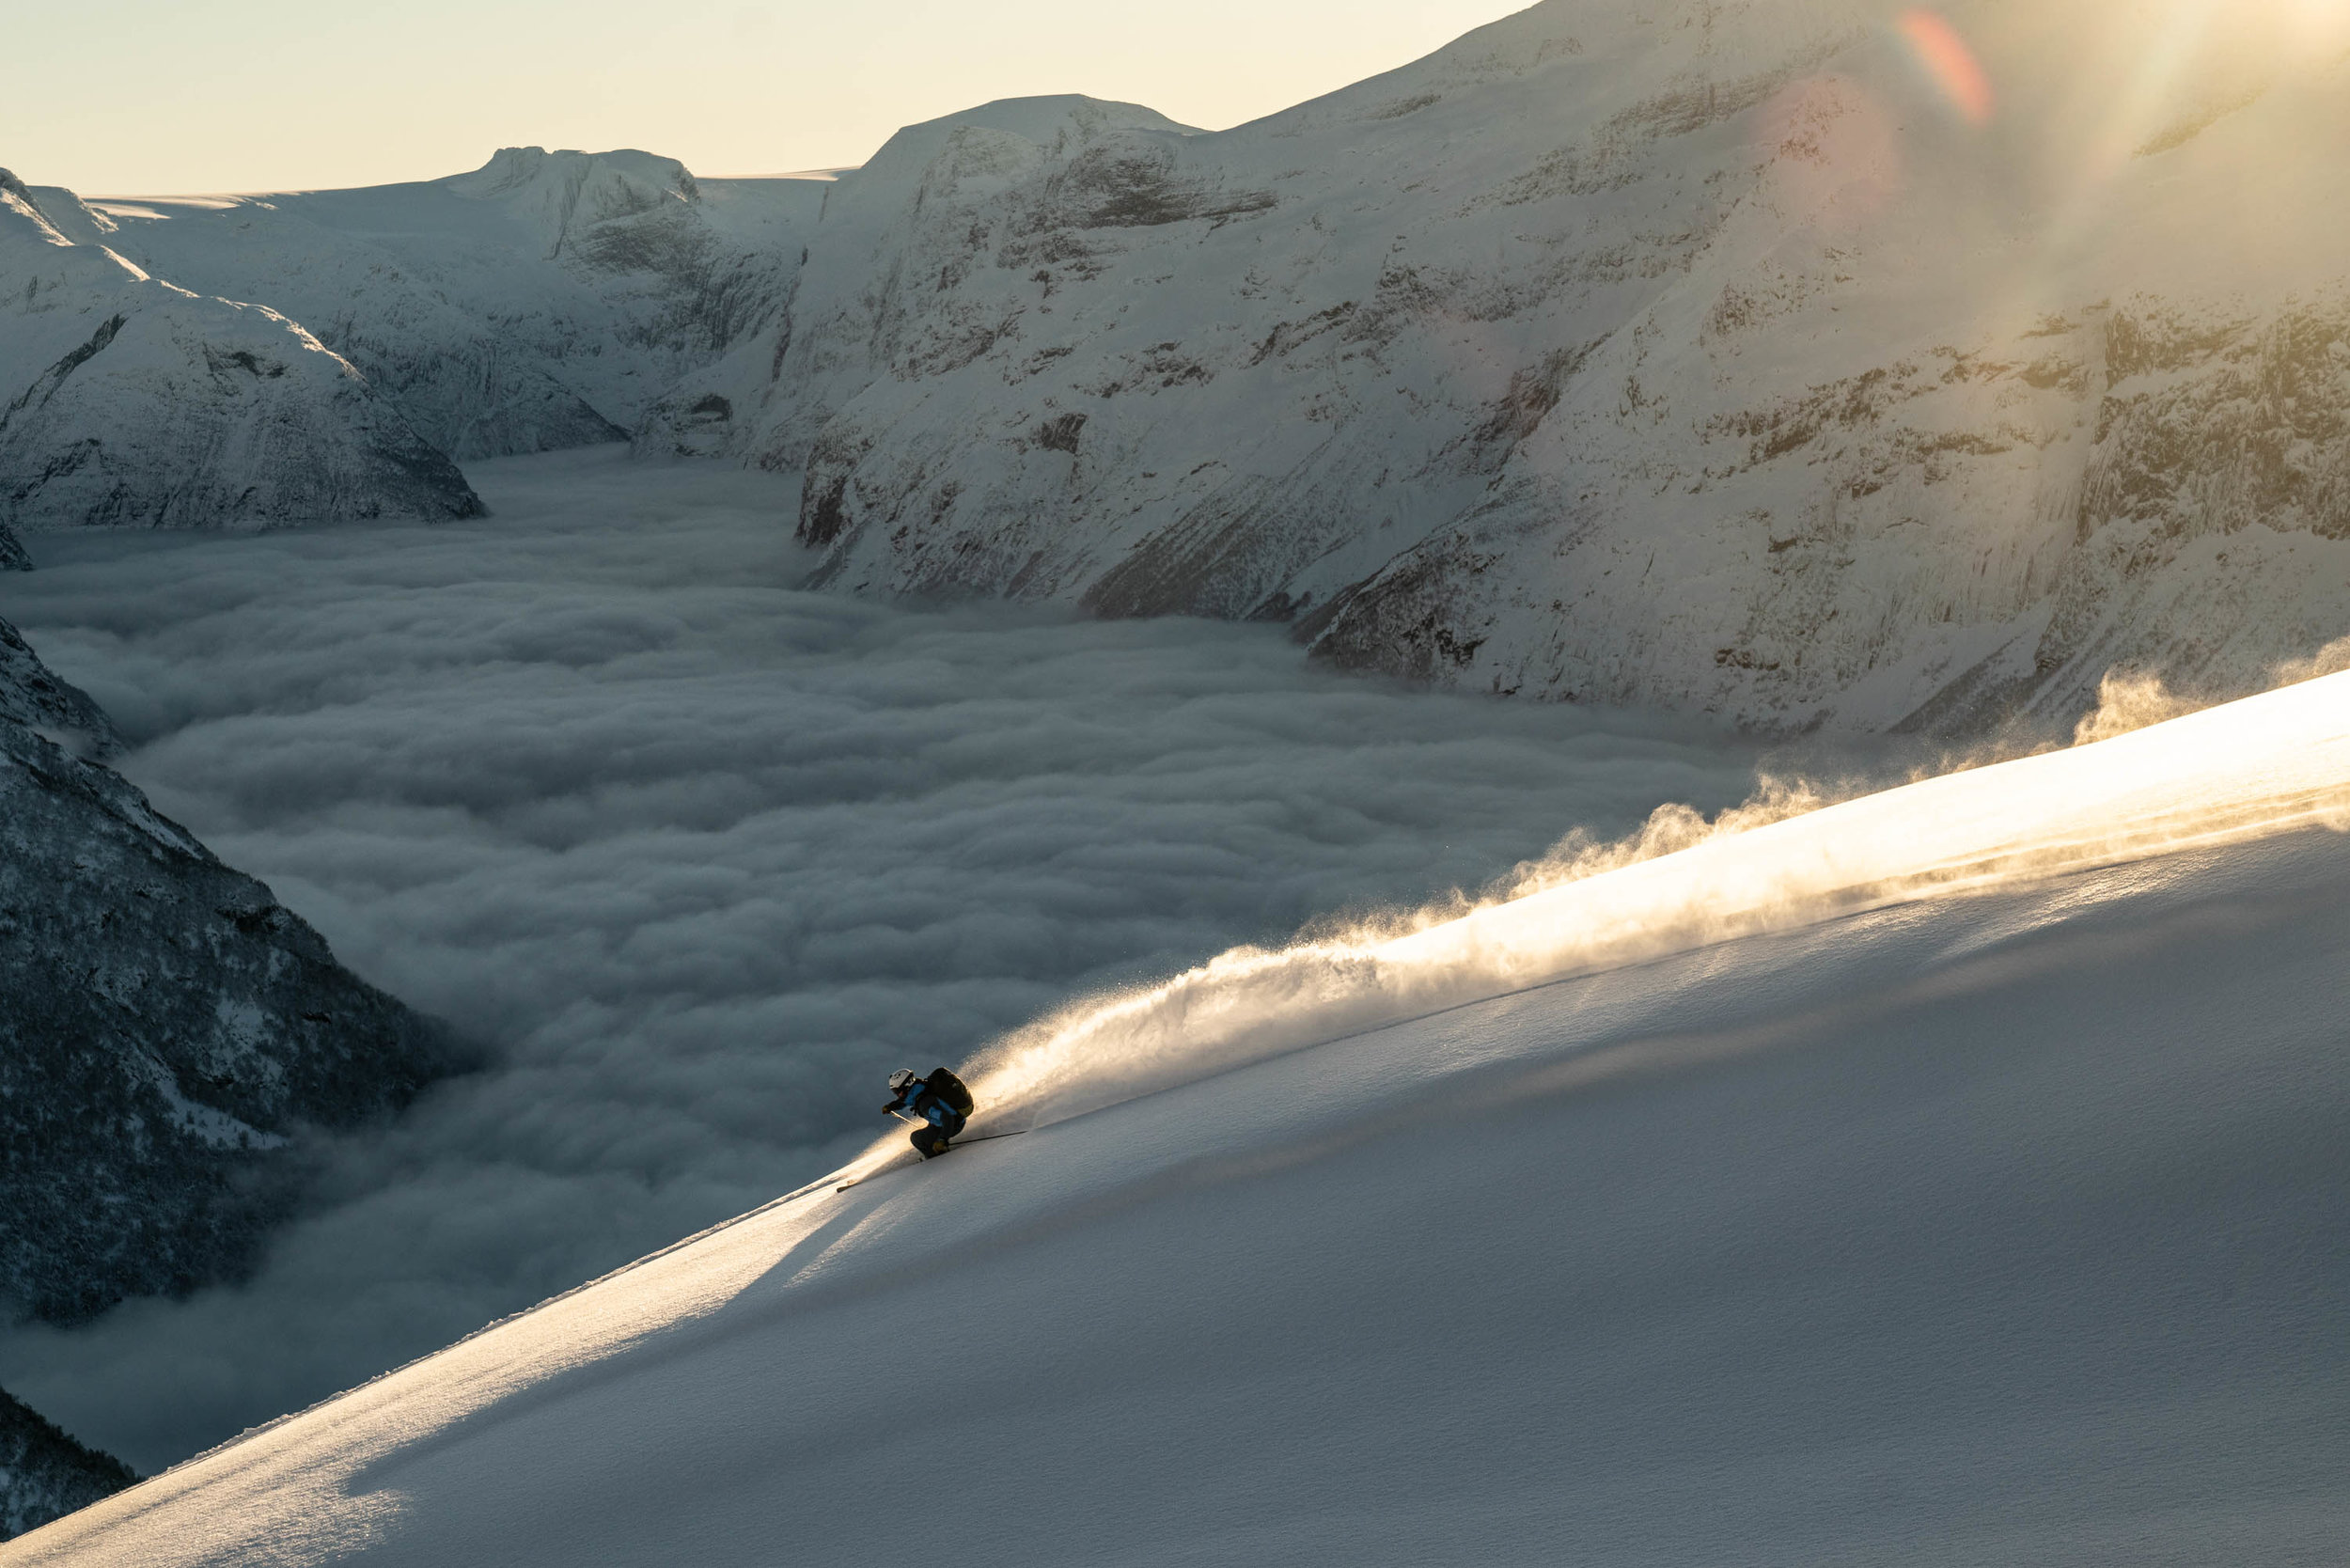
{"x":2128,"y":700}
{"x":2263,"y":765}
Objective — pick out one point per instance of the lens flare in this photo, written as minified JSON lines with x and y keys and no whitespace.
{"x":1949,"y":64}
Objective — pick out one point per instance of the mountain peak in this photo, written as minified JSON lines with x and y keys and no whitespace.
{"x":513,"y":169}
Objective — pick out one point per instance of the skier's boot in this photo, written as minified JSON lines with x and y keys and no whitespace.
{"x":930,"y":1142}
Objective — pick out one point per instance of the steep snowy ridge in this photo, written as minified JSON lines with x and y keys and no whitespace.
{"x":540,"y":302}
{"x":1716,"y":355}
{"x":129,"y":402}
{"x":1967,"y":1225}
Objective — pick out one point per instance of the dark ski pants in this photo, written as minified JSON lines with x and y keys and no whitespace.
{"x":931,"y":1140}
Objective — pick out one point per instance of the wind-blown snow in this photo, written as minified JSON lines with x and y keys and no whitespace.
{"x":2246,"y":770}
{"x":1970,"y":1228}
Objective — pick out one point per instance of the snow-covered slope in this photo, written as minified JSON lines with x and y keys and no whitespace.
{"x":1943,"y":1177}
{"x":1779,"y":358}
{"x":44,"y":1473}
{"x":868,"y":265}
{"x":128,"y":401}
{"x":537,"y":303}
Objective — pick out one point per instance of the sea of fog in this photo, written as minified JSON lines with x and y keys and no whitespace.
{"x":697,"y":858}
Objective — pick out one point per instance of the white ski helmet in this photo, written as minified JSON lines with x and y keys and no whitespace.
{"x":901,"y":1080}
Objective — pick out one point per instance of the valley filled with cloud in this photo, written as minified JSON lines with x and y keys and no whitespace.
{"x":696,"y":858}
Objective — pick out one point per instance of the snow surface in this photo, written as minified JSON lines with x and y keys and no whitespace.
{"x":1971,"y":1203}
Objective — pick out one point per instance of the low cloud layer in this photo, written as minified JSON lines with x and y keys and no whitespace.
{"x":698,"y":858}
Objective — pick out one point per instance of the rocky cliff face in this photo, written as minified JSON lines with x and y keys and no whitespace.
{"x":32,"y":697}
{"x":1755,"y":358}
{"x":540,"y":302}
{"x":170,"y":1031}
{"x":44,"y":1474}
{"x":129,"y":402}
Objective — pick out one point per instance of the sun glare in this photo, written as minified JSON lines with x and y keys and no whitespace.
{"x":2323,"y":24}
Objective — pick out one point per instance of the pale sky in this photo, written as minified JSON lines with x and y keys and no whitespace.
{"x":158,"y":96}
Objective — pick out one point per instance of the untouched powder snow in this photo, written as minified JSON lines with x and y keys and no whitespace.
{"x":1942,"y":1177}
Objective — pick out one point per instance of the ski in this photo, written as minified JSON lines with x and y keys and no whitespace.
{"x":982,"y":1137}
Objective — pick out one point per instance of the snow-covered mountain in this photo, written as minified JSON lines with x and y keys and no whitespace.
{"x":127,"y":401}
{"x":1798,"y":360}
{"x":1779,"y":358}
{"x":540,"y":302}
{"x":45,"y":1474}
{"x":169,"y":1024}
{"x":1793,"y":361}
{"x":1939,"y":1178}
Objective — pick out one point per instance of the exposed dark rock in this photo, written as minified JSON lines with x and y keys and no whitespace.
{"x":1059,"y":433}
{"x":171,"y":1032}
{"x":45,"y":1474}
{"x":32,"y":696}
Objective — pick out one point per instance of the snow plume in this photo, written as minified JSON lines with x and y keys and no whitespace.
{"x":2129,"y":701}
{"x":2332,"y":659}
{"x":2262,"y":765}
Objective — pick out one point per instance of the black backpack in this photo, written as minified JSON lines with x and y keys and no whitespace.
{"x":948,"y":1087}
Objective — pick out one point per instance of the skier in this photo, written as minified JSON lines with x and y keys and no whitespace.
{"x":938,"y":1105}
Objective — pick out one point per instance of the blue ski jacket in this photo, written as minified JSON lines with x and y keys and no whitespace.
{"x":917,"y":1100}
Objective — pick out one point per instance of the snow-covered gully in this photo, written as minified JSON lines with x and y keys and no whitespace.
{"x":1932,"y":1178}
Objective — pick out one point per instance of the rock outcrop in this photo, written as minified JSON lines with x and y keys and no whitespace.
{"x":127,"y":401}
{"x":32,"y":696}
{"x":1746,"y":357}
{"x":44,"y":1474}
{"x":172,"y":1030}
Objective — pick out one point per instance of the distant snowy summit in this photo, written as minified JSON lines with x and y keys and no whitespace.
{"x":538,"y":303}
{"x":535,"y":303}
{"x":132,"y":400}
